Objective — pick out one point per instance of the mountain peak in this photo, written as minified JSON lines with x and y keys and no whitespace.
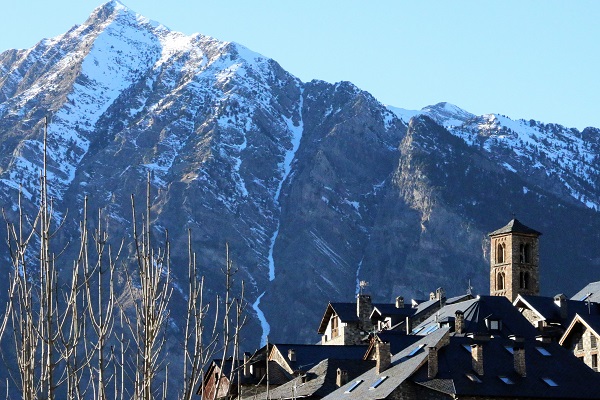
{"x":447,"y":114}
{"x":113,"y":9}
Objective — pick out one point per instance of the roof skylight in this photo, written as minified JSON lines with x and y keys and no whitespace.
{"x":550,"y":382}
{"x":473,"y":377}
{"x":377,"y":383}
{"x":417,"y":330}
{"x":506,"y":380}
{"x":354,"y":385}
{"x":543,"y":351}
{"x":432,"y":328}
{"x":415,"y":350}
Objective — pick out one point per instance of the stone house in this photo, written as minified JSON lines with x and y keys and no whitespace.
{"x":346,"y":323}
{"x":582,"y":337}
{"x":553,"y":315}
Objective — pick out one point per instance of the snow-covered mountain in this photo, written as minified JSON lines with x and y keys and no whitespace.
{"x":536,"y":151}
{"x":314,"y":185}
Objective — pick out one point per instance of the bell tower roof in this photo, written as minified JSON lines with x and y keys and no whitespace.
{"x":515,"y":226}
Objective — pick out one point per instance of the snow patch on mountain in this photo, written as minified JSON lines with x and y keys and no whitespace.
{"x":286,"y":167}
{"x":266,"y":328}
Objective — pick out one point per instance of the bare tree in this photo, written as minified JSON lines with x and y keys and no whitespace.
{"x":151,"y":306}
{"x":73,"y":337}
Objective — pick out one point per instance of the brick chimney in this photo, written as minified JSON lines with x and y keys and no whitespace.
{"x":519,"y":358}
{"x":383,"y":356}
{"x":399,"y":302}
{"x":477,"y":356}
{"x":292,"y":355}
{"x":459,"y":321}
{"x":432,"y":362}
{"x":247,"y":364}
{"x":364,"y":307}
{"x":341,"y":377}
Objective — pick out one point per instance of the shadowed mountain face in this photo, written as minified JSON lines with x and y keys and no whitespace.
{"x":315,"y":186}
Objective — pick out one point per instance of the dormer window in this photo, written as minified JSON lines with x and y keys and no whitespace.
{"x":493,"y":324}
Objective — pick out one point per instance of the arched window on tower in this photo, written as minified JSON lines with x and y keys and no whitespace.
{"x":500,"y":253}
{"x":525,"y":253}
{"x":524,"y":280}
{"x":500,"y":281}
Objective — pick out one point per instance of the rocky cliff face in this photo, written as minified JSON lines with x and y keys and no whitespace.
{"x":314,"y":185}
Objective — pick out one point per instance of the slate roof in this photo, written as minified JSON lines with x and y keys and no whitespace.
{"x":515,"y":226}
{"x":391,"y":309}
{"x":401,"y":368}
{"x":346,"y":312}
{"x":309,"y":355}
{"x":398,"y":340}
{"x":550,"y":311}
{"x":592,"y":289}
{"x":320,"y":380}
{"x":475,"y":313}
{"x":574,"y":379}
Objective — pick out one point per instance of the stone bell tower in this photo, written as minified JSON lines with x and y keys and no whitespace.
{"x":514,"y":261}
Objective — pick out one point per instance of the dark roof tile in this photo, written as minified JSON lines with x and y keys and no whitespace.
{"x":515,"y":226}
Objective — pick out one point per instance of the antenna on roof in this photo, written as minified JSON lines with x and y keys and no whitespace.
{"x":469,"y":289}
{"x":362,"y":285}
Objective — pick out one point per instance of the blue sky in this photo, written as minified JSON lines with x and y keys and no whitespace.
{"x":525,"y":59}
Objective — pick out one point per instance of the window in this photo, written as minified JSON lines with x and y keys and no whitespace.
{"x":595,"y":362}
{"x":506,"y":380}
{"x":500,"y":281}
{"x":593,"y":341}
{"x":525,"y":253}
{"x":377,"y":383}
{"x":543,"y":351}
{"x":334,"y":326}
{"x":493,"y":324}
{"x":549,"y":382}
{"x":500,"y":253}
{"x":524,"y":280}
{"x":580,"y":344}
{"x":354,"y":386}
